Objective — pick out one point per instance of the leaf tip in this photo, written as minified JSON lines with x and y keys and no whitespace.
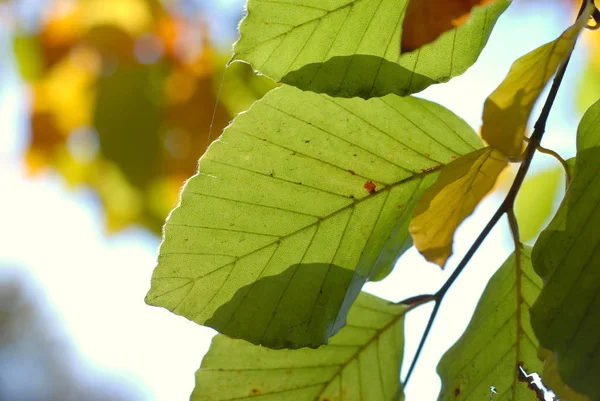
{"x":149,"y":298}
{"x":439,"y":256}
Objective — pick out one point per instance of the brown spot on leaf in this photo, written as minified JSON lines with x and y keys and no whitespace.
{"x":370,"y":187}
{"x":430,"y":169}
{"x":426,"y":154}
{"x":456,"y":392}
{"x":254,"y":391}
{"x":352,"y":172}
{"x":454,"y":157}
{"x":401,"y":206}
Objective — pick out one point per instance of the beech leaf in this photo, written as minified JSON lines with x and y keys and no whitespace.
{"x":498,"y":341}
{"x":426,"y":20}
{"x":460,"y":187}
{"x":551,"y":378}
{"x":535,"y":202}
{"x":362,"y":362}
{"x":351,"y":48}
{"x":507,"y":110}
{"x":292,"y":208}
{"x":566,"y":316}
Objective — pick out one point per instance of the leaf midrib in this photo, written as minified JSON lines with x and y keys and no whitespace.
{"x":318,"y":220}
{"x":354,"y":356}
{"x":517,"y":314}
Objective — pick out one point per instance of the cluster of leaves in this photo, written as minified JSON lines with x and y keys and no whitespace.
{"x":324,"y":183}
{"x":123,"y":97}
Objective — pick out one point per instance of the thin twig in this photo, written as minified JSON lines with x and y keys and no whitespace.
{"x":442,"y":291}
{"x":506,"y":206}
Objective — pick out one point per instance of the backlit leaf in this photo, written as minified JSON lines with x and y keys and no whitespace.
{"x":128,"y":107}
{"x":362,"y":362}
{"x":426,"y":20}
{"x":588,"y":87}
{"x":351,"y":48}
{"x":589,"y":79}
{"x":394,"y":248}
{"x":498,"y":341}
{"x":291,"y":208}
{"x":552,"y":379}
{"x":443,"y":207}
{"x":507,"y":110}
{"x":566,"y":317}
{"x":535,"y":202}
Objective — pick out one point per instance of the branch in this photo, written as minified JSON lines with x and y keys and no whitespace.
{"x":506,"y":206}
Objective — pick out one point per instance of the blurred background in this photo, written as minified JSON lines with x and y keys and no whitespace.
{"x":105,"y":108}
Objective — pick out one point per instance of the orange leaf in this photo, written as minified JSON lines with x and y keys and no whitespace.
{"x":426,"y":20}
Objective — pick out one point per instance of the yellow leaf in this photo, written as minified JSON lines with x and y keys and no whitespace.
{"x":66,"y":91}
{"x":426,"y":20}
{"x":507,"y":110}
{"x":443,"y":207}
{"x":552,"y":380}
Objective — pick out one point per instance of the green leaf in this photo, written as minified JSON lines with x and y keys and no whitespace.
{"x":394,"y":248}
{"x":535,"y":202}
{"x":351,"y":48}
{"x":498,"y":340}
{"x":551,"y":379}
{"x":128,"y":119}
{"x":291,"y":208}
{"x":28,"y":56}
{"x":571,"y":164}
{"x":588,"y":85}
{"x":507,"y":110}
{"x":362,"y":362}
{"x":566,"y":317}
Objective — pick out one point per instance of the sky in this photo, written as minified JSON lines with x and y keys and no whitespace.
{"x":94,"y":285}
